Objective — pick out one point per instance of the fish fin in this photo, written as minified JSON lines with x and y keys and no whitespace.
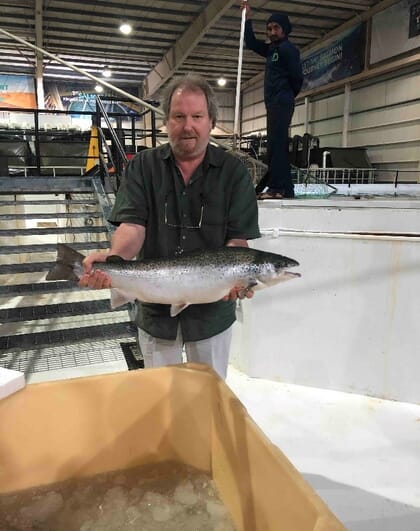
{"x":177,"y":308}
{"x":69,"y":264}
{"x":259,"y":285}
{"x":119,"y":298}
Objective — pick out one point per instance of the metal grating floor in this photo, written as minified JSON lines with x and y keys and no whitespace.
{"x":54,"y":330}
{"x":29,"y":313}
{"x":58,"y":337}
{"x":66,"y":356}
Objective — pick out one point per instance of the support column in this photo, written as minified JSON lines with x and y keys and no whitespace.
{"x":307,"y":112}
{"x":346,"y":115}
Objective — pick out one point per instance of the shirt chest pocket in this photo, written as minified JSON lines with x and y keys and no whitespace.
{"x":214,"y":227}
{"x":214,"y":213}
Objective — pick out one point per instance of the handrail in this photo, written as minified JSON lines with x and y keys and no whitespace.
{"x":115,"y":138}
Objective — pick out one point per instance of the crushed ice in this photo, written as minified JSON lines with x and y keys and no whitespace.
{"x":161,"y":498}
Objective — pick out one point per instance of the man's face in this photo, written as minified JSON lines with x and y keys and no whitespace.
{"x":188,"y":124}
{"x":275,"y":32}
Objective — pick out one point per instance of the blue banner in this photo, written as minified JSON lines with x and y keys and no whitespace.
{"x":342,"y":58}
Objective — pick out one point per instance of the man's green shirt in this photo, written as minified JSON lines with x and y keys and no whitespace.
{"x":218,"y":204}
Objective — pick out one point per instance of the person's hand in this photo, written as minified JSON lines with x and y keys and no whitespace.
{"x":94,"y":279}
{"x":245,"y":5}
{"x":239,"y":293}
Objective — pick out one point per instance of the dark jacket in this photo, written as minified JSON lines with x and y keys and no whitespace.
{"x":283,"y":70}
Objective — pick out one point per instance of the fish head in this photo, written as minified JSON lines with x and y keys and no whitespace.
{"x":274,"y":269}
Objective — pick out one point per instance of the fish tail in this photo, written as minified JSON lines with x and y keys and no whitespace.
{"x":69,"y":264}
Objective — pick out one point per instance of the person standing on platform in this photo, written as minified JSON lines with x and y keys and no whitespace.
{"x":282,"y":83}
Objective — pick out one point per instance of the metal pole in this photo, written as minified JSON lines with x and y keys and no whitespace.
{"x":238,"y":80}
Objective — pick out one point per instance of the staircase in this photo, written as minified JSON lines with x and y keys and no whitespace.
{"x":53,"y":330}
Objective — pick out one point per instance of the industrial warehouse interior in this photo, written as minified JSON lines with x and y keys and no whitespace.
{"x":326,"y":367}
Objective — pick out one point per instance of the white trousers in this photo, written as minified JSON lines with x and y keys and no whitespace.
{"x":214,"y":351}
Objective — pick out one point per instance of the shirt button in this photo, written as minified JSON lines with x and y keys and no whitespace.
{"x":184,"y":237}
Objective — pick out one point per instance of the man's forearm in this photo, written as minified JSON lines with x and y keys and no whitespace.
{"x":237,"y":242}
{"x":127,"y":240}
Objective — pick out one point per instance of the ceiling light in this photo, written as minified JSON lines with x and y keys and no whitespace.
{"x":221,"y":81}
{"x":106,"y":72}
{"x":99,"y":88}
{"x":126,"y":29}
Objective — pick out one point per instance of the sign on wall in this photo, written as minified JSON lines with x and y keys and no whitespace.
{"x":76,"y":99}
{"x":17,"y":91}
{"x":342,"y":58}
{"x":414,"y":21}
{"x":395,"y":30}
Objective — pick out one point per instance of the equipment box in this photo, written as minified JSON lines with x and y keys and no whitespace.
{"x":53,"y":431}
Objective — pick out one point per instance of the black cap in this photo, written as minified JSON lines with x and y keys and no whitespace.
{"x":282,"y":20}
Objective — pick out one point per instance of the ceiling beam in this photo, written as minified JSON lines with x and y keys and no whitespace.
{"x":176,"y":55}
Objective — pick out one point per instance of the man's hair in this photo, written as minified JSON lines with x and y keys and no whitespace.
{"x":193,"y":83}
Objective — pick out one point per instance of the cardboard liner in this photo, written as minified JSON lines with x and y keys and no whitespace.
{"x":53,"y":431}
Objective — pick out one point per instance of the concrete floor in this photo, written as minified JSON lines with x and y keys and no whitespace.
{"x":361,"y":454}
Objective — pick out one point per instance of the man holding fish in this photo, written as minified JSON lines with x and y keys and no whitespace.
{"x":183,"y":196}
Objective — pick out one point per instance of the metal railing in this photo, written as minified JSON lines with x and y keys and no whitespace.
{"x":336,"y":175}
{"x":27,"y":170}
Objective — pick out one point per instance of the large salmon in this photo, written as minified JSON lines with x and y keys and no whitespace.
{"x":192,"y":278}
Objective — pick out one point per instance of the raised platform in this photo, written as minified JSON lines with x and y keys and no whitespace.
{"x":350,"y":322}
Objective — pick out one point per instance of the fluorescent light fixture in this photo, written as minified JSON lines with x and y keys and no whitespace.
{"x":221,"y":82}
{"x":107,"y":72}
{"x":126,"y":29}
{"x":99,"y":88}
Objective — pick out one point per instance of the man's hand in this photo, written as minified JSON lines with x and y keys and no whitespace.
{"x":245,"y":5}
{"x":94,"y":279}
{"x":239,"y":293}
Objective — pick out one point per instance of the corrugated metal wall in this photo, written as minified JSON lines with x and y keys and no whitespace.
{"x":384,"y":118}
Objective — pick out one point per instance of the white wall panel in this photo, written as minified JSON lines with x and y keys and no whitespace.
{"x":406,"y":112}
{"x":402,"y":89}
{"x":254,"y":111}
{"x":326,"y":127}
{"x":331,"y":140}
{"x":299,"y":114}
{"x":226,"y":101}
{"x":368,"y":97}
{"x":350,"y":322}
{"x":390,"y":134}
{"x":395,"y":154}
{"x":327,"y":107}
{"x":297,"y":130}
